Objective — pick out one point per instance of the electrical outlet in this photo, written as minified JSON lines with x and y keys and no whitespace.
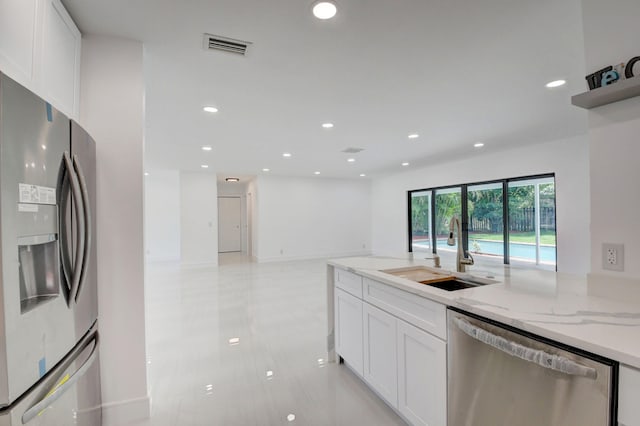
{"x":613,"y":257}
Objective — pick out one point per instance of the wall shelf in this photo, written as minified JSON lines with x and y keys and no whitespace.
{"x":615,"y":92}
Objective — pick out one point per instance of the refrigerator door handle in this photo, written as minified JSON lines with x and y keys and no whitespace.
{"x":536,"y":356}
{"x":80,"y":234}
{"x":63,"y":190}
{"x":87,"y":234}
{"x":62,"y":387}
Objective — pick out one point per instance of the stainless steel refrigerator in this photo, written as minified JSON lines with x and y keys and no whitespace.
{"x":49,"y":339}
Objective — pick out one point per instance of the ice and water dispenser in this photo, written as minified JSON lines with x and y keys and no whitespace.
{"x":38,"y":249}
{"x":39,"y":271}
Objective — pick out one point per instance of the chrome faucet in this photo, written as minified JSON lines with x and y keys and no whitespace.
{"x":461,"y":258}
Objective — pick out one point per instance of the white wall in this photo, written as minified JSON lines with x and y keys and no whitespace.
{"x":610,"y":33}
{"x":112,"y":111}
{"x":312,"y":217}
{"x":162,"y":216}
{"x":198,"y":218}
{"x":568,"y":159}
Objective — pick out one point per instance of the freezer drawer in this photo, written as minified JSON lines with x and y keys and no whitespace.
{"x":68,"y":395}
{"x":498,"y":376}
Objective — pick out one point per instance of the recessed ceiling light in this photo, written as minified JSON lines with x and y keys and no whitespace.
{"x":478,"y":145}
{"x":234,"y":340}
{"x":291,"y":417}
{"x":324,"y":9}
{"x":413,"y":136}
{"x":351,"y":160}
{"x":205,"y":166}
{"x":362,"y":175}
{"x":556,"y":83}
{"x":206,"y":148}
{"x":232,"y":179}
{"x":210,"y":109}
{"x":405,"y":164}
{"x":266,"y":170}
{"x":146,"y":173}
{"x":286,"y":154}
{"x":316,"y":173}
{"x":327,"y":125}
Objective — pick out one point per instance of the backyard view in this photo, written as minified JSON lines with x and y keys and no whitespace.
{"x":531,"y":219}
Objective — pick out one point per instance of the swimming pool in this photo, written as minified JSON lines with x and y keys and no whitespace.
{"x":516,"y":250}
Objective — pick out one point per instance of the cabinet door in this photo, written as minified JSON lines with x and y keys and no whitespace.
{"x":348,"y":329}
{"x":422,"y":376}
{"x":61,"y":58}
{"x":18,"y":29}
{"x":628,"y":397}
{"x":380,"y":355}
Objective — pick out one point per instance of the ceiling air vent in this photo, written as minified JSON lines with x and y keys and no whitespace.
{"x":352,"y":150}
{"x":214,"y":42}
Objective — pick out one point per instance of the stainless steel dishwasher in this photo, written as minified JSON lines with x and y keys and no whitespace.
{"x":501,"y":376}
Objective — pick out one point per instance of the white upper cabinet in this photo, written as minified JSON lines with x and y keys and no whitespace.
{"x":40,"y":49}
{"x":61,"y":58}
{"x":19,"y":21}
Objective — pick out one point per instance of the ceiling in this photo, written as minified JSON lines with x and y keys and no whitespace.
{"x":453,"y":71}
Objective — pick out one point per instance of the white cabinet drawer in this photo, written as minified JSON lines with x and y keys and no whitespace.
{"x":423,"y":313}
{"x":349,"y":282}
{"x":628,"y":397}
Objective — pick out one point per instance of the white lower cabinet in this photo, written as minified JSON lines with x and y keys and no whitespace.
{"x":628,"y":397}
{"x":422,"y":376}
{"x":396,"y":341}
{"x":380,"y":355}
{"x":348,"y":329}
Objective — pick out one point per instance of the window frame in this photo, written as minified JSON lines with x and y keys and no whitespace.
{"x":464,"y":220}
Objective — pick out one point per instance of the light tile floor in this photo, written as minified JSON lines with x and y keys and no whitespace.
{"x":276,"y":369}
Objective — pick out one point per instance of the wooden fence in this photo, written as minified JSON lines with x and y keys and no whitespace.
{"x":520,"y":220}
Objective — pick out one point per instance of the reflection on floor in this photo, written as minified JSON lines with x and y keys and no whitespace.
{"x":245,"y":344}
{"x":233,"y":258}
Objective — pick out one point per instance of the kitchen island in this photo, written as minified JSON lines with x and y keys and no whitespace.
{"x":560,"y":307}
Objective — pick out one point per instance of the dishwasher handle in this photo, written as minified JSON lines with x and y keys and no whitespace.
{"x":536,"y":356}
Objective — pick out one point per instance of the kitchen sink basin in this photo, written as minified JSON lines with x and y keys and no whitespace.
{"x":454,"y":284}
{"x":421,"y":274}
{"x":440,"y":279}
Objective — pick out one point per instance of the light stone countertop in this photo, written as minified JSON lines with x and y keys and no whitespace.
{"x":553,"y":305}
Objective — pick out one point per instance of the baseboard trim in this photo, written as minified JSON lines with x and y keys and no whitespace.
{"x":122,"y":413}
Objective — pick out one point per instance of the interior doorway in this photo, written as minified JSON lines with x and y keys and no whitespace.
{"x":229,"y":224}
{"x":236,"y":219}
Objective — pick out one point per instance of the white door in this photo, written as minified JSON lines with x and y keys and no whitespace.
{"x":422,"y":376}
{"x":380,"y":357}
{"x":229,"y":222}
